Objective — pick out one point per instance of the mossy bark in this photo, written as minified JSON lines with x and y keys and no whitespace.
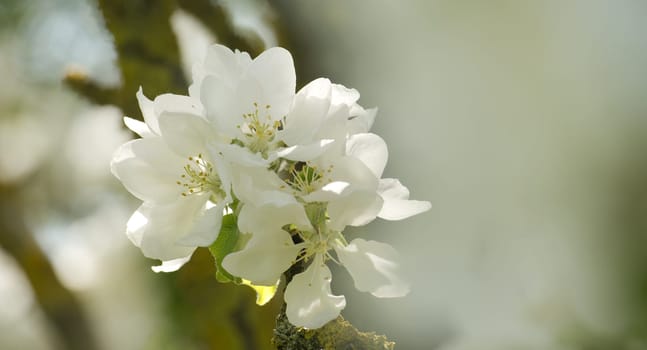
{"x":338,"y":334}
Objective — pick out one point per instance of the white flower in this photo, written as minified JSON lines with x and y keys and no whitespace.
{"x":245,"y":99}
{"x":184,"y":188}
{"x":253,"y":104}
{"x":296,"y":170}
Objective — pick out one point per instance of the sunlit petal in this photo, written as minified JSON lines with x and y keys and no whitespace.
{"x":397,"y":205}
{"x":265,"y":257}
{"x":310,"y":302}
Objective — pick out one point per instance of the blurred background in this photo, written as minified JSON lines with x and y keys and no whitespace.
{"x":523,"y":122}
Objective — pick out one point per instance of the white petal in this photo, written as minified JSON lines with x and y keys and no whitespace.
{"x":344,"y":95}
{"x":329,"y":192}
{"x":260,"y":187}
{"x":205,"y":228}
{"x":355,"y":172}
{"x":273,"y":198}
{"x":308,"y":111}
{"x":186,"y":134}
{"x":172,"y":103}
{"x":305,"y":153}
{"x":335,"y":124}
{"x":148,"y":111}
{"x":222,"y":106}
{"x":148,"y":169}
{"x":265,"y":257}
{"x":139,"y":128}
{"x":355,"y":209}
{"x":392,"y":188}
{"x":398,"y":209}
{"x":397,"y":205}
{"x":310,"y":303}
{"x":249,"y":96}
{"x":274,"y":71}
{"x":171,"y":265}
{"x":160,"y":226}
{"x":222,"y":63}
{"x":136,"y":225}
{"x":374,"y":268}
{"x":370,"y":149}
{"x":224,"y":171}
{"x":361,"y":120}
{"x":241,"y":156}
{"x":258,"y":218}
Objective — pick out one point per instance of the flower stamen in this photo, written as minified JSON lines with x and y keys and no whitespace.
{"x":306,"y":178}
{"x":199,"y":177}
{"x":259,"y":131}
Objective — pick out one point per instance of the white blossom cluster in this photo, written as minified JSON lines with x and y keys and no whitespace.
{"x":266,"y":177}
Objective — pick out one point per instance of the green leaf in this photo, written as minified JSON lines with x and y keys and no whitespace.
{"x":225,"y":244}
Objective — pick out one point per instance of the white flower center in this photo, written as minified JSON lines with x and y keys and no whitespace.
{"x":321,"y":240}
{"x":199,"y":177}
{"x":321,"y":244}
{"x":259,"y":132}
{"x":305,"y":178}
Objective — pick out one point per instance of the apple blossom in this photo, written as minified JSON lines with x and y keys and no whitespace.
{"x":257,"y":172}
{"x":169,"y":169}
